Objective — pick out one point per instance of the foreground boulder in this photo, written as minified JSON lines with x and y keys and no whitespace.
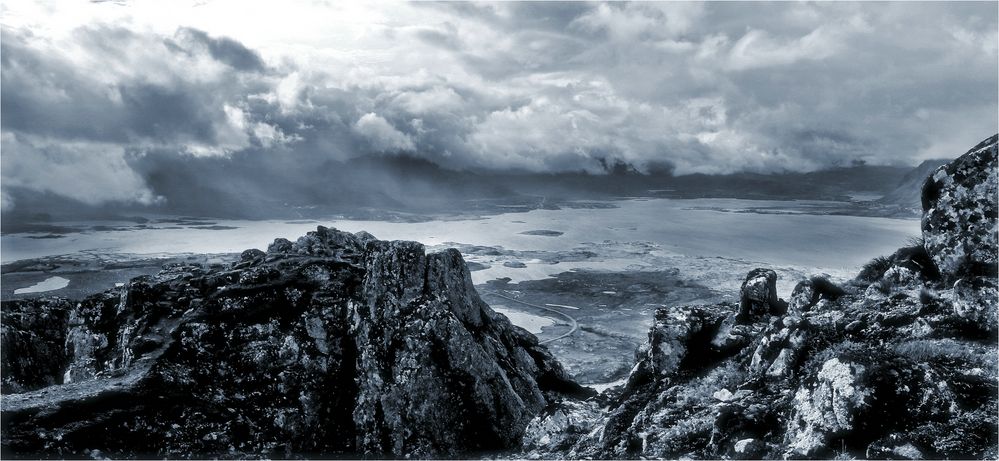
{"x":334,"y":345}
{"x":959,"y":214}
{"x":759,"y":295}
{"x":899,"y":363}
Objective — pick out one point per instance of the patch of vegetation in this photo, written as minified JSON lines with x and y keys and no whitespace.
{"x":875,"y":269}
{"x":937,"y":350}
{"x":913,"y":257}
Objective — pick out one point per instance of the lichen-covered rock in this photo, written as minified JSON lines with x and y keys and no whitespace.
{"x":748,"y":449}
{"x":959,"y":214}
{"x":280,"y":245}
{"x":779,"y":348}
{"x":336,"y":345}
{"x":809,"y":292}
{"x":560,"y":428}
{"x":803,"y":297}
{"x":826,"y":409}
{"x":758,"y":296}
{"x":670,"y":337}
{"x":977,"y":300}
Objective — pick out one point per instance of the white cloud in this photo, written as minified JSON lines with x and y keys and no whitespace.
{"x":90,"y":173}
{"x":759,"y":49}
{"x":383,"y":136}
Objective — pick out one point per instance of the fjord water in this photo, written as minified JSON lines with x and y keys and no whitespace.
{"x":723,"y":228}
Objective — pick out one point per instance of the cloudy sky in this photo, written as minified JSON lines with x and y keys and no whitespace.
{"x":101,"y":101}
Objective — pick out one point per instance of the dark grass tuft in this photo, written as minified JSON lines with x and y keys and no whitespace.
{"x":826,"y":289}
{"x":875,"y":269}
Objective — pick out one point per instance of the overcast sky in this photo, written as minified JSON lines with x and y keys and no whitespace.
{"x":97,"y":96}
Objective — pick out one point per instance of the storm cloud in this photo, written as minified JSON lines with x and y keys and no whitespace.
{"x":110,"y":103}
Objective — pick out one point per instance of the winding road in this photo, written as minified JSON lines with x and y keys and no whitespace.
{"x":572,"y":321}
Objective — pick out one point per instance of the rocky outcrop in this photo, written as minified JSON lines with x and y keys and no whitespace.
{"x":32,"y":334}
{"x":826,"y":409}
{"x":759,"y":295}
{"x":334,"y":345}
{"x":959,"y":214}
{"x":900,"y":363}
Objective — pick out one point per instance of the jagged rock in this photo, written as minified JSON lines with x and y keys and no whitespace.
{"x":683,"y":342}
{"x":336,"y":345}
{"x":329,"y":243}
{"x":759,"y":295}
{"x":671,"y":335}
{"x":977,"y":300}
{"x":895,"y":279}
{"x":364,"y":236}
{"x":280,"y":245}
{"x":779,"y":348}
{"x":32,"y":334}
{"x":803,"y":297}
{"x":959,"y":219}
{"x":251,"y":255}
{"x":731,"y":336}
{"x":809,"y":292}
{"x":827,"y":409}
{"x":560,"y":428}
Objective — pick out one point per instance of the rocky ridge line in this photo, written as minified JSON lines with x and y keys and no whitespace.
{"x":334,"y":345}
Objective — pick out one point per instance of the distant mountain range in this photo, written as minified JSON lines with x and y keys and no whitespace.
{"x":387,"y":187}
{"x":907,"y":193}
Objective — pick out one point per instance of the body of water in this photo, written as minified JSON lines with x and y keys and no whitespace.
{"x":693,"y":230}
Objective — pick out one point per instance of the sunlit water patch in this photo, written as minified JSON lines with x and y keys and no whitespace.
{"x":530,"y":322}
{"x":49,"y":284}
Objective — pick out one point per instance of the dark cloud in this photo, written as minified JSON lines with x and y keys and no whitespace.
{"x":225,"y":50}
{"x":117,"y":86}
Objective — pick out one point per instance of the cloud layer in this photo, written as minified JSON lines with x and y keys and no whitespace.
{"x":101,"y":102}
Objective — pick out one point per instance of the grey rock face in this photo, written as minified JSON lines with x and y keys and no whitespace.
{"x":803,"y":297}
{"x":32,"y":335}
{"x":759,"y":295}
{"x":336,"y":345}
{"x":827,"y":408}
{"x":959,"y":214}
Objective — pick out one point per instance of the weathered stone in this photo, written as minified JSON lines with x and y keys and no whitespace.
{"x":251,"y":255}
{"x":894,"y":447}
{"x":977,"y":300}
{"x":803,"y":296}
{"x":960,"y":208}
{"x":827,"y":409}
{"x":280,"y":245}
{"x":748,"y":449}
{"x":759,"y":295}
{"x":560,"y":428}
{"x":670,"y":336}
{"x":32,"y":334}
{"x":364,"y":236}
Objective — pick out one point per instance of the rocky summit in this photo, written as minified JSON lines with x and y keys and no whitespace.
{"x":336,"y":345}
{"x":899,"y":363}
